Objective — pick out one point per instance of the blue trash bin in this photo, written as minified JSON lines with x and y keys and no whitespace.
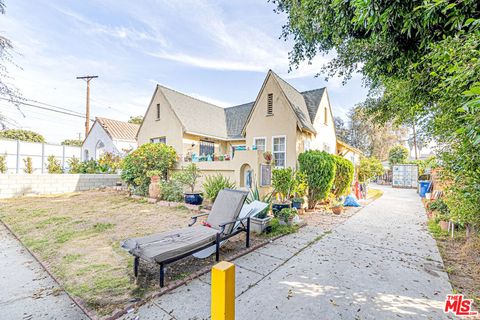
{"x":424,"y":186}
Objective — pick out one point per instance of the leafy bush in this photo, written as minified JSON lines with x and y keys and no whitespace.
{"x":150,"y":156}
{"x":22,"y":135}
{"x":53,"y":165}
{"x":283,"y":183}
{"x":171,"y":190}
{"x":3,"y":164}
{"x":213,"y":185}
{"x":398,"y":154}
{"x":300,"y":185}
{"x":369,"y":169}
{"x":343,"y":176}
{"x":319,"y":167}
{"x":73,"y":165}
{"x":285,"y":214}
{"x":72,"y":142}
{"x":280,"y":229}
{"x":28,"y":166}
{"x":109,"y":162}
{"x":189,"y":176}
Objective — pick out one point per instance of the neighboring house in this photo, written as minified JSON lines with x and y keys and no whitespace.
{"x":107,"y":135}
{"x":281,"y":120}
{"x":351,"y":153}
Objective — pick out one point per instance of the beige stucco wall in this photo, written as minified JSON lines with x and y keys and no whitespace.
{"x":282,"y":123}
{"x":325,"y":132}
{"x":167,"y":126}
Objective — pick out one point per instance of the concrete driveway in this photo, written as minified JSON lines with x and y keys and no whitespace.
{"x":380,"y":264}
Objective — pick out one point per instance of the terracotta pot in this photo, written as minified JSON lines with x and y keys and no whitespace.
{"x":154,"y":187}
{"x":443,"y":225}
{"x":337,"y":210}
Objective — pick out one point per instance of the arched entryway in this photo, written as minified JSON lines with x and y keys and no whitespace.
{"x":246,"y":176}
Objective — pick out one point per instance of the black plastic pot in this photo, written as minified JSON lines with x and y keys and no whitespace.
{"x":297,"y":204}
{"x":194,"y":198}
{"x":277,"y":207}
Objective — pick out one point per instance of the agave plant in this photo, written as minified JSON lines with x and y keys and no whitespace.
{"x":254,"y":194}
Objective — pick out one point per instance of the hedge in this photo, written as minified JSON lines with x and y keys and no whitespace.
{"x":343,"y":176}
{"x":319,"y":166}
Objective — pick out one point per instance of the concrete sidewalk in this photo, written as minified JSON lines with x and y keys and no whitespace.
{"x":380,"y":264}
{"x":27,"y":291}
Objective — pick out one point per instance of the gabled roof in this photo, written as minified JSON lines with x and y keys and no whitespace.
{"x":236,"y":118}
{"x":196,"y":116}
{"x":312,"y":99}
{"x":297,"y":101}
{"x":118,"y":130}
{"x":203,"y":118}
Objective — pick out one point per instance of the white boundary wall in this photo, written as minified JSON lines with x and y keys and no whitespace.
{"x":16,"y":151}
{"x":13,"y":185}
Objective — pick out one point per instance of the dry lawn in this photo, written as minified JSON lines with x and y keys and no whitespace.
{"x":78,"y":237}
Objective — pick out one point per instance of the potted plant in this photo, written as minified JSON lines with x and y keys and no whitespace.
{"x":286,"y":215}
{"x":267,"y":155}
{"x":259,"y":222}
{"x":188,"y":177}
{"x":299,"y":189}
{"x":283,"y":183}
{"x":336,"y":206}
{"x":441,"y":212}
{"x":154,"y":187}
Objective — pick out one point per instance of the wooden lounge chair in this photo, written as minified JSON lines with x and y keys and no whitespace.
{"x":170,"y":246}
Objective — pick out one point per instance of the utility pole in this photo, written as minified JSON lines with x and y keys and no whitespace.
{"x":87,"y":111}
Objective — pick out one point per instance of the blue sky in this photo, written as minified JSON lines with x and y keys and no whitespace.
{"x":218,"y":51}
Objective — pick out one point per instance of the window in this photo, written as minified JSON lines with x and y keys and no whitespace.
{"x":158,"y":111}
{"x":159,"y":140}
{"x":270,"y":104}
{"x":260,"y":143}
{"x":207,"y":148}
{"x":325,"y":114}
{"x":279,"y":151}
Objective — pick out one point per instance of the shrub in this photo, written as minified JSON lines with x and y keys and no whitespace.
{"x":283,"y":182}
{"x":398,"y":154}
{"x":254,"y":195}
{"x":73,"y":165}
{"x":109,"y":162}
{"x":3,"y":164}
{"x":22,"y":135}
{"x":441,"y":208}
{"x":343,"y":176}
{"x":28,"y":166}
{"x":319,"y":167}
{"x":189,"y":176}
{"x":280,"y":229}
{"x":213,"y":185}
{"x":150,"y":156}
{"x":53,"y":165}
{"x":171,"y":190}
{"x":285,"y":214}
{"x":369,"y":169}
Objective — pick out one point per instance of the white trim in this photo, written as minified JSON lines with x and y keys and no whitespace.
{"x":258,"y":138}
{"x":273,"y":153}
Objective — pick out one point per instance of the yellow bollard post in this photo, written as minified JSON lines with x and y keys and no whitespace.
{"x":223,"y":291}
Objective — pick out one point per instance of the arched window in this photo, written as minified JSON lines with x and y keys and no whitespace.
{"x":99,"y":149}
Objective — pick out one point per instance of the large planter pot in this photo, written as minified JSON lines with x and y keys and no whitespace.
{"x":443,"y":225}
{"x":297,"y":204}
{"x":194,"y":198}
{"x":258,"y":225}
{"x":277,"y":207}
{"x":337,"y":209}
{"x":154,"y":187}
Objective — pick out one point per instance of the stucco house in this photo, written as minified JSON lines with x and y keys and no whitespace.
{"x":232,"y":140}
{"x":108,"y":135}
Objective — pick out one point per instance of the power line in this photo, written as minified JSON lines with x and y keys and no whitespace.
{"x":54,"y":106}
{"x":48,"y":109}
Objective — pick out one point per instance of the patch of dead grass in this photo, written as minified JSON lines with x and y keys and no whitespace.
{"x":78,"y":237}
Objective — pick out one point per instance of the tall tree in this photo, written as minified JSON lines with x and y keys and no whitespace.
{"x":420,"y":58}
{"x":341,"y":130}
{"x":135,"y":120}
{"x":22,"y":135}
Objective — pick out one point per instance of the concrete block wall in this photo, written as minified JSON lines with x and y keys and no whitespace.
{"x":14,"y":185}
